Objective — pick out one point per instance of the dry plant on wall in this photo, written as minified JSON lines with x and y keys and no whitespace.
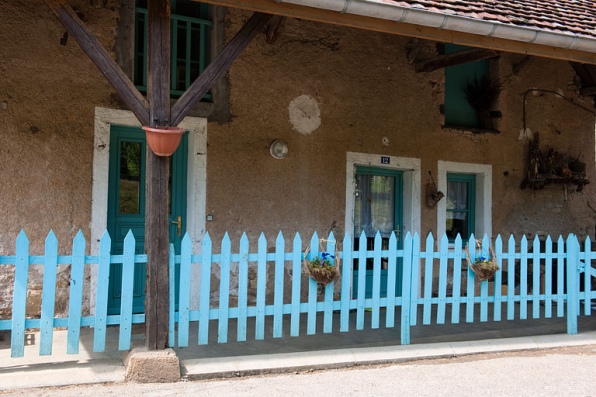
{"x":433,"y":195}
{"x":481,"y":94}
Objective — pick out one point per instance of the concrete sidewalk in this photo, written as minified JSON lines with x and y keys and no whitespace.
{"x":320,"y":351}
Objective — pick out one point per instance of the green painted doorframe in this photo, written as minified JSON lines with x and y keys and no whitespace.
{"x":126,"y":203}
{"x":398,"y":225}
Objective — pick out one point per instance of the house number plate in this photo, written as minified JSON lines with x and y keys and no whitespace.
{"x":384,"y":160}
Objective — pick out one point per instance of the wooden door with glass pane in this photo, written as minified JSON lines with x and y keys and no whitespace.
{"x":378,"y":208}
{"x":126,"y":204}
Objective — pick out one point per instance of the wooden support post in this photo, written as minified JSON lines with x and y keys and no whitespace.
{"x":157,"y":170}
{"x":101,"y":58}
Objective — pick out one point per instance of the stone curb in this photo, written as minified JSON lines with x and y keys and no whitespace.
{"x":225,"y":367}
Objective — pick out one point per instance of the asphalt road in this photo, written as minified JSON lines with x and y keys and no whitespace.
{"x":557,"y":372}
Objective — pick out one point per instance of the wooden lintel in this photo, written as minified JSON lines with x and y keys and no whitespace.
{"x":454,"y":58}
{"x":386,"y":26}
{"x":102,"y":59}
{"x":157,"y":174}
{"x":274,"y":29}
{"x":588,"y":91}
{"x":518,"y":67}
{"x":218,"y":67}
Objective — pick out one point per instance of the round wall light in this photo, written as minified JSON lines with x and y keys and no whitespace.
{"x":279,"y":149}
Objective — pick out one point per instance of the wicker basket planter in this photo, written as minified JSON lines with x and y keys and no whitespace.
{"x":484,"y":268}
{"x":484,"y":271}
{"x":320,"y":268}
{"x":322,"y":275}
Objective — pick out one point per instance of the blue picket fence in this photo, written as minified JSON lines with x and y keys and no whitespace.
{"x":423,"y":289}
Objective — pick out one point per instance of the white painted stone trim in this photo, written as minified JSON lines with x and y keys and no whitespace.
{"x":484,"y":195}
{"x":196,"y":184}
{"x":411,"y":168}
{"x":411,"y":186}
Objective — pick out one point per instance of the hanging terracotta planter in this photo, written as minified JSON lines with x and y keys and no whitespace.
{"x":163,"y":141}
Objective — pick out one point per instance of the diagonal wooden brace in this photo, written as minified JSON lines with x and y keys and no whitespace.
{"x":102,"y":59}
{"x":218,"y":67}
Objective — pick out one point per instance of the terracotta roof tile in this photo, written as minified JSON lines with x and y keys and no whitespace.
{"x":563,"y":16}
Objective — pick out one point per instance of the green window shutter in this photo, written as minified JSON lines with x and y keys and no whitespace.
{"x":461,"y":205}
{"x":190,"y":29}
{"x":458,"y":112}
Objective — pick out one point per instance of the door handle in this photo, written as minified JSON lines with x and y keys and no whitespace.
{"x":179,"y":226}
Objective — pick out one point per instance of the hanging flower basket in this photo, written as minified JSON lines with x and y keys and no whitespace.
{"x":483,"y":268}
{"x":321,"y":268}
{"x":163,"y":141}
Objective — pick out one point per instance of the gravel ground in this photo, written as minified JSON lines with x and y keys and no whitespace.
{"x":555,"y":372}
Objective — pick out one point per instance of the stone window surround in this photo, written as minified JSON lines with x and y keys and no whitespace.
{"x":411,"y":168}
{"x":196,"y":184}
{"x":483,"y":210}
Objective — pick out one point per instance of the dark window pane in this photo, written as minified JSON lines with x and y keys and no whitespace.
{"x":457,"y":222}
{"x":195,"y":43}
{"x":181,"y":43}
{"x":130,"y":177}
{"x":180,"y":83}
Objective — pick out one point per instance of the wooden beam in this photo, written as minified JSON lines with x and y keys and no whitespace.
{"x":102,"y":59}
{"x":454,"y":58}
{"x":218,"y":67}
{"x":518,"y":67}
{"x":588,"y":91}
{"x":385,"y":26}
{"x":157,"y":174}
{"x":274,"y":29}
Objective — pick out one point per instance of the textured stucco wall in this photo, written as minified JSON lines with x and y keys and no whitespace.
{"x":367,"y":93}
{"x":49,"y":93}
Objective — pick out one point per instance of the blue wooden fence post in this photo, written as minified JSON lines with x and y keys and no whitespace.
{"x":19,"y":297}
{"x":329,"y":289}
{"x":242,"y":289}
{"x":77,"y":271}
{"x":407,"y":282}
{"x":205,"y":290}
{"x":346,"y":277}
{"x":172,"y":293}
{"x":48,"y":300}
{"x":278,"y":290}
{"x":101,"y":301}
{"x":127,"y":299}
{"x":572,"y":286}
{"x":184,"y":291}
{"x":224,"y":289}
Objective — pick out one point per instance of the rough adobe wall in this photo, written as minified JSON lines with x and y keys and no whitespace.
{"x":366,"y":91}
{"x":48,"y":93}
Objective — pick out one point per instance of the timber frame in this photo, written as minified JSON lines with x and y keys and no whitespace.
{"x":156,"y":111}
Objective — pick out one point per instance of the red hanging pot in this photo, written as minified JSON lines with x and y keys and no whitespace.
{"x":163,"y":141}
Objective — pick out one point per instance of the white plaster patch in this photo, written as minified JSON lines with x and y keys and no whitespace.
{"x":305,"y":114}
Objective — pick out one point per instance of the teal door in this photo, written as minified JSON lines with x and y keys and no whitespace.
{"x":378,"y":208}
{"x":126,"y":204}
